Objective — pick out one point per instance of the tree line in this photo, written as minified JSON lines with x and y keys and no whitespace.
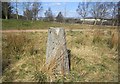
{"x":97,"y":10}
{"x":30,"y":11}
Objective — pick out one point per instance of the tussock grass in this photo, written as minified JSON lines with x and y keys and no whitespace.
{"x":92,"y":58}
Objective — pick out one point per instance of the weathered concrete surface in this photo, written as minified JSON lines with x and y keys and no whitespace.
{"x":56,"y":54}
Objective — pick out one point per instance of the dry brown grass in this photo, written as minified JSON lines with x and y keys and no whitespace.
{"x":114,"y":39}
{"x":92,"y":59}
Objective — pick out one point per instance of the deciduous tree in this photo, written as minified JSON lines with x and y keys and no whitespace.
{"x":6,"y":10}
{"x":48,"y":15}
{"x":37,"y":6}
{"x":83,"y":10}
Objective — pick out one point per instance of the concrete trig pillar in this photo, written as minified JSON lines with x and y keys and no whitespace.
{"x":56,"y":54}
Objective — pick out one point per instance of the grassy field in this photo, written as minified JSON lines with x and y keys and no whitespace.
{"x":24,"y":25}
{"x":94,"y":56}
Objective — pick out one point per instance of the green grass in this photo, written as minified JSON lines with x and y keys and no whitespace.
{"x":24,"y":25}
{"x":92,"y":59}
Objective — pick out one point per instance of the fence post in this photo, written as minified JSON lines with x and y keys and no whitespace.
{"x":56,"y":53}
